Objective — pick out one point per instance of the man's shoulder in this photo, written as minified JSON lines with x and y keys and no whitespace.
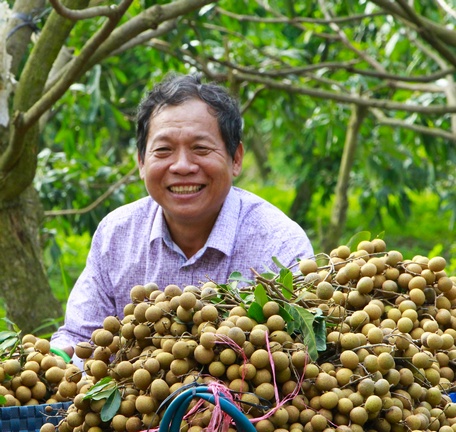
{"x":262,"y":213}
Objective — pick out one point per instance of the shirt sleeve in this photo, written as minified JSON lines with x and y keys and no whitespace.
{"x":293,"y":249}
{"x":90,"y":299}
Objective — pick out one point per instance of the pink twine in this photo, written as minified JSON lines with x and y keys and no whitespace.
{"x":279,"y":403}
{"x":219,"y":418}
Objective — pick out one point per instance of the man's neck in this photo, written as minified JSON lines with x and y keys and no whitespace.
{"x":190,"y":236}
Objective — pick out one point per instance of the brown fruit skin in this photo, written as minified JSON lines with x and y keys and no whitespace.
{"x":84,"y":350}
{"x":47,"y":427}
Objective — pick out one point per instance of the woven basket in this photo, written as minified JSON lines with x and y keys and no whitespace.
{"x":30,"y":418}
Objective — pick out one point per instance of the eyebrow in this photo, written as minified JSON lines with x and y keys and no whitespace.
{"x":165,"y":136}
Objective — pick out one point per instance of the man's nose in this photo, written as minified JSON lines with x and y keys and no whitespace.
{"x":183,"y":163}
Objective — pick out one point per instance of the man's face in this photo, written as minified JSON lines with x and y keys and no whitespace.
{"x":187,"y":169}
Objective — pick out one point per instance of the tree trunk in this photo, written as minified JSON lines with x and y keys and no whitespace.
{"x":339,"y":211}
{"x":261,"y":156}
{"x":24,"y":286}
{"x":23,"y":281}
{"x":301,"y":202}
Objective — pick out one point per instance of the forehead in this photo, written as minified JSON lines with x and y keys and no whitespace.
{"x":191,"y":116}
{"x":188,"y":108}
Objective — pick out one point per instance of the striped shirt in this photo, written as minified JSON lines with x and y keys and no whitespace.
{"x":132,"y":245}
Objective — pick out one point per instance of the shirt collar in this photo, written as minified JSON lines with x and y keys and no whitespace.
{"x":223,"y":233}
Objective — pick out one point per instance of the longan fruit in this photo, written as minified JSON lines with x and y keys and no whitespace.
{"x":325,"y":290}
{"x":43,"y":346}
{"x":83,"y":350}
{"x":349,"y":359}
{"x":437,"y":264}
{"x":103,"y":338}
{"x":270,"y":308}
{"x":393,"y":258}
{"x":307,"y":266}
{"x":237,"y":335}
{"x":112,"y":324}
{"x":275,"y":322}
{"x":159,"y":389}
{"x":209,"y":313}
{"x":138,"y":293}
{"x":187,"y":300}
{"x":142,"y":379}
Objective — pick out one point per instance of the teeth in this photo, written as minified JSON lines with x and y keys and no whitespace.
{"x":185,"y":189}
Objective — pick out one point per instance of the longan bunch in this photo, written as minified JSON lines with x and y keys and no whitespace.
{"x":392,"y":343}
{"x":169,"y":339}
{"x":388,"y":366}
{"x":33,"y":375}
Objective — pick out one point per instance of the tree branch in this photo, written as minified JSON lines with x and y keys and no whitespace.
{"x":76,"y":68}
{"x":447,"y":8}
{"x":434,"y":132}
{"x":289,"y":86}
{"x":143,"y":22}
{"x":92,"y":12}
{"x":97,"y":202}
{"x":19,"y":34}
{"x":286,"y":85}
{"x":143,"y":38}
{"x":251,"y":99}
{"x":426,"y":32}
{"x":294,"y":20}
{"x":442,"y":32}
{"x":13,"y":151}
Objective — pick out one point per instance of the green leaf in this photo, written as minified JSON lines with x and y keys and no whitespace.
{"x":244,"y":295}
{"x":303,"y":323}
{"x":98,"y":387}
{"x":104,"y":394}
{"x":277,"y":262}
{"x":8,"y":343}
{"x":255,"y":311}
{"x":111,"y":406}
{"x":357,"y":238}
{"x":237,"y":276}
{"x":285,"y":315}
{"x":268,"y":275}
{"x":286,"y":279}
{"x":2,"y":400}
{"x":381,"y":235}
{"x":6,"y":335}
{"x":15,"y":327}
{"x":319,"y":326}
{"x":249,"y":298}
{"x":260,"y":295}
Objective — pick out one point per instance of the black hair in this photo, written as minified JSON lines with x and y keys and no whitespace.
{"x":176,"y":89}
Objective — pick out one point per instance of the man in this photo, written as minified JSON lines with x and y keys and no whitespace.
{"x":194,"y":226}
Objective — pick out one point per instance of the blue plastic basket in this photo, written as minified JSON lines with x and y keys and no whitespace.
{"x":29,"y":418}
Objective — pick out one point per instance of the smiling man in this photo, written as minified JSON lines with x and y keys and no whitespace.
{"x":195,"y":225}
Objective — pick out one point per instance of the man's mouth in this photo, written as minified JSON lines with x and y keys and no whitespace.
{"x":185,"y":189}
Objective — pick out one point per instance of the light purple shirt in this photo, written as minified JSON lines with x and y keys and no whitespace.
{"x":132,"y":245}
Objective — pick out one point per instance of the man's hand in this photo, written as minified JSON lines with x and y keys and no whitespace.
{"x":69,"y":350}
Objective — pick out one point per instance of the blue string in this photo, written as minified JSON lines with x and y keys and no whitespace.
{"x":174,"y":414}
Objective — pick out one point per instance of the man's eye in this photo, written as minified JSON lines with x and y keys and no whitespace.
{"x":162,"y":151}
{"x":202,"y":150}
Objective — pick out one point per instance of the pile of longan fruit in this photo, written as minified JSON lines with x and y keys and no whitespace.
{"x":389,"y":363}
{"x":33,"y":375}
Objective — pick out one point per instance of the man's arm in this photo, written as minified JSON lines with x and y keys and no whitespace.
{"x":89,"y":302}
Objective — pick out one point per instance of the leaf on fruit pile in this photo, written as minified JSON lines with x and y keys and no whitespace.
{"x":302,"y":323}
{"x":286,"y":279}
{"x":107,"y":389}
{"x":358,"y":238}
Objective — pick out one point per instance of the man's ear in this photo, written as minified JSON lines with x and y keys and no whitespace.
{"x":140,"y":166}
{"x":237,"y":159}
